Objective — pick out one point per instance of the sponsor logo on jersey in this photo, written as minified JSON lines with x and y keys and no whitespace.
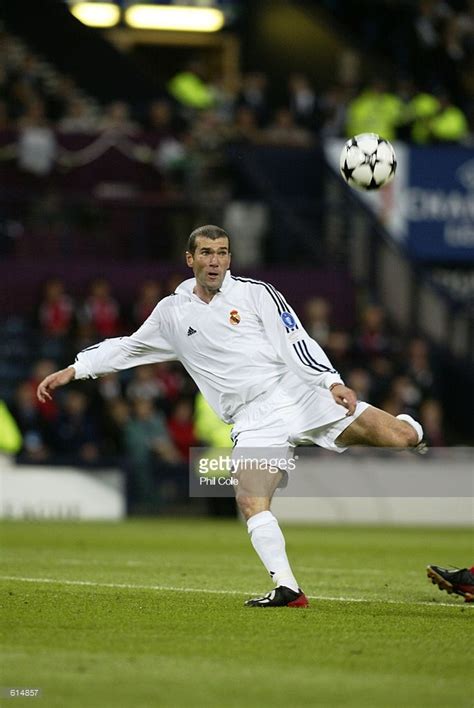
{"x":234,"y":317}
{"x":191,"y":331}
{"x":288,"y":320}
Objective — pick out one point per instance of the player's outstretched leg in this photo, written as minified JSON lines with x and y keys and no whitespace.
{"x":454,"y":580}
{"x":268,"y":541}
{"x":380,"y":429}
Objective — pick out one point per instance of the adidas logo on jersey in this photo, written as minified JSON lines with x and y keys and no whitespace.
{"x":191,"y":331}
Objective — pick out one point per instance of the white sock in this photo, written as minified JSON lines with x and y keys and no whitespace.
{"x":269,"y":542}
{"x":414,"y":424}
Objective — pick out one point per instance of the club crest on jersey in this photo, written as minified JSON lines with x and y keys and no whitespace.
{"x":234,"y":317}
{"x":288,"y":320}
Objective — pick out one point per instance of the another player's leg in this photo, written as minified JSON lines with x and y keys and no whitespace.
{"x":267,"y":539}
{"x":454,"y":580}
{"x":378,"y":428}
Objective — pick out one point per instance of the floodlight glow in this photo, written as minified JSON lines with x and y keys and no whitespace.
{"x":96,"y":14}
{"x":174,"y":17}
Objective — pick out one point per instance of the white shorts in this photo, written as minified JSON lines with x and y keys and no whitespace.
{"x":293,"y":414}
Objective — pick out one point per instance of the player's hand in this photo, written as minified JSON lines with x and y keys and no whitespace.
{"x":59,"y":378}
{"x":345,"y":397}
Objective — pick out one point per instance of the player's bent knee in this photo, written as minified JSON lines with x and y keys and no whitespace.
{"x":250,"y":505}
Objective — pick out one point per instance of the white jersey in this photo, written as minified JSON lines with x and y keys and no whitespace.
{"x":237,"y":347}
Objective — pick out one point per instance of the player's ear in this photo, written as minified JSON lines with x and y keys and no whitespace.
{"x":189,"y":259}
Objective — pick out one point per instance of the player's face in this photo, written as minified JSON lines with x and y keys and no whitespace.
{"x":210,"y":261}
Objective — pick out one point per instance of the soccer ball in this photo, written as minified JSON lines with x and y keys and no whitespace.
{"x":368,"y":161}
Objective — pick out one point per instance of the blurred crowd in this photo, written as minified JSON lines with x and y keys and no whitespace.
{"x":430,"y":40}
{"x":175,"y":148}
{"x":202,"y":112}
{"x":145,"y":420}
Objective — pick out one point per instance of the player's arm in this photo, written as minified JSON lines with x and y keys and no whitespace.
{"x":302,"y":353}
{"x":148,"y":345}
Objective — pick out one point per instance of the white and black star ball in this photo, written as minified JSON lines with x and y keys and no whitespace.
{"x":367,"y":161}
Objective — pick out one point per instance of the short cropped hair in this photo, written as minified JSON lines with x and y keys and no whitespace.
{"x":209,"y":231}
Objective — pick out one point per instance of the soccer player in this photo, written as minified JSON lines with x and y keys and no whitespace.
{"x":454,"y":580}
{"x":258,"y":368}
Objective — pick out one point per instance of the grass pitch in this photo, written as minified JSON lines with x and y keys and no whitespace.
{"x":150,"y":613}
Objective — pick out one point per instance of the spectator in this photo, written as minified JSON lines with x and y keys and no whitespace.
{"x":49,"y":410}
{"x":31,"y":74}
{"x":373,"y":337}
{"x":404,"y":396}
{"x":245,"y":128}
{"x":360,"y":381}
{"x":450,"y":124}
{"x":284,"y":131}
{"x":432,"y":53}
{"x":10,"y":436}
{"x":147,"y":442}
{"x":37,"y":147}
{"x":253,"y":95}
{"x":429,"y":20}
{"x":418,"y":107}
{"x":34,"y":115}
{"x":34,"y":429}
{"x":207,"y":141}
{"x":109,"y":387}
{"x":84,"y":336}
{"x":160,"y":117}
{"x":19,"y":96}
{"x":181,"y":427}
{"x":302,"y":101}
{"x":392,"y":404}
{"x":101,"y":310}
{"x":78,"y":118}
{"x":248,"y":220}
{"x":460,"y":40}
{"x":115,"y":420}
{"x":225,"y":99}
{"x":56,"y":310}
{"x":148,"y":297}
{"x":76,"y":432}
{"x":381,"y":369}
{"x":374,"y":110}
{"x":190,"y":87}
{"x":333,"y":106}
{"x":117,"y":118}
{"x":144,"y":385}
{"x":170,"y":379}
{"x":209,"y":429}
{"x":172,"y":159}
{"x":317,"y":310}
{"x":431,"y":418}
{"x":339,"y":348}
{"x":418,"y":365}
{"x":208,"y":132}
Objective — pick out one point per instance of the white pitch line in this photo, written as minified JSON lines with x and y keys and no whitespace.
{"x":126,"y":586}
{"x":169,"y":588}
{"x":152,"y":563}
